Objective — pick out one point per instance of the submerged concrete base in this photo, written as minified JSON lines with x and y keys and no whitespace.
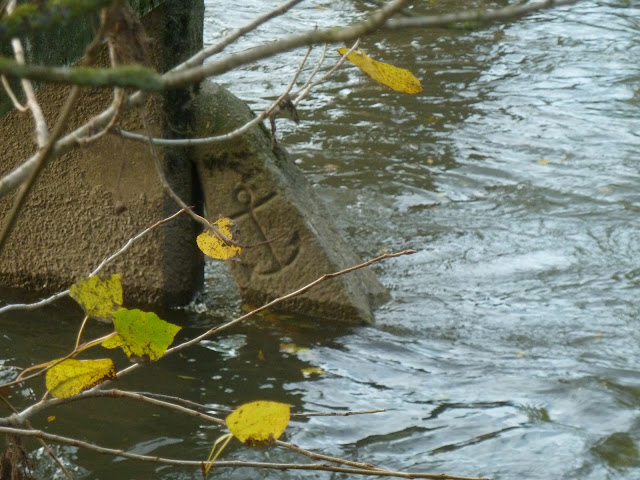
{"x":270,"y":201}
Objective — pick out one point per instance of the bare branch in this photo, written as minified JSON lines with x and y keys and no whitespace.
{"x":186,"y":142}
{"x":12,"y":96}
{"x":306,"y":88}
{"x":227,"y":464}
{"x":105,"y":262}
{"x":182,"y":78}
{"x":202,"y":55}
{"x":267,"y":306}
{"x":144,"y":78}
{"x":42,"y":157}
{"x":31,"y":410}
{"x":32,"y":104}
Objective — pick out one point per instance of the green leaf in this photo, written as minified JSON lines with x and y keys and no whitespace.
{"x":141,"y":334}
{"x":259,"y":423}
{"x":100,"y":297}
{"x":71,"y":377}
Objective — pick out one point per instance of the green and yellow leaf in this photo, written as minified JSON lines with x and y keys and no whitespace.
{"x":259,"y":423}
{"x":214,"y":246}
{"x":396,"y":78}
{"x":141,"y":334}
{"x":71,"y":377}
{"x":100,"y":297}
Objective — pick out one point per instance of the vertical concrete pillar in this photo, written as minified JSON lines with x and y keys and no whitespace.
{"x":88,"y":203}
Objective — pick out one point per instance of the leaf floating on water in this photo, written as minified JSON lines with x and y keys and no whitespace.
{"x":259,"y":423}
{"x":396,"y":78}
{"x":100,"y":297}
{"x":214,"y":246}
{"x":307,"y":372}
{"x":141,"y":334}
{"x":71,"y":377}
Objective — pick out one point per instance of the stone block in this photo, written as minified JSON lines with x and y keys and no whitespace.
{"x":266,"y":195}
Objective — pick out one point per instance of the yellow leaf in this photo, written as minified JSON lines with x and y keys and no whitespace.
{"x":259,"y":423}
{"x":307,"y":372}
{"x":71,"y":377}
{"x":51,"y":418}
{"x":142,"y":335}
{"x":213,"y":245}
{"x":100,"y":297}
{"x":292,"y":348}
{"x":399,"y":79}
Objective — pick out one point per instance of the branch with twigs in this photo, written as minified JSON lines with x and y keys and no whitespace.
{"x":371,"y":470}
{"x":31,"y":410}
{"x":192,"y":71}
{"x":356,"y":467}
{"x":7,"y":425}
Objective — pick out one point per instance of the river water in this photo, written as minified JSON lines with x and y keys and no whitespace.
{"x":510,"y":348}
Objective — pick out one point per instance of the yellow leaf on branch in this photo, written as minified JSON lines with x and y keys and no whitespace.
{"x":100,"y":297}
{"x":259,"y":423}
{"x":396,"y":78}
{"x":215,"y":246}
{"x":71,"y":377}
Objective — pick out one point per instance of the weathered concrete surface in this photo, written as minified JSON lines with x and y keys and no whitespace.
{"x":70,"y":222}
{"x":269,"y":199}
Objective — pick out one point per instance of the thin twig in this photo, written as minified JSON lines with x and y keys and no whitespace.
{"x":306,"y":88}
{"x":202,"y":55}
{"x":105,"y":262}
{"x":337,"y":414}
{"x":49,"y":365}
{"x":307,"y":83}
{"x":42,"y":131}
{"x":182,"y":78}
{"x":14,"y":99}
{"x":267,"y":306}
{"x":480,"y":16}
{"x":187,"y":142}
{"x":43,"y":156}
{"x":46,"y":447}
{"x":327,"y":458}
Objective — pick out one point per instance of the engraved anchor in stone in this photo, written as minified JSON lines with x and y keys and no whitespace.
{"x":277,"y":252}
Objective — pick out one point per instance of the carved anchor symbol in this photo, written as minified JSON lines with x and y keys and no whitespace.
{"x":273,"y":256}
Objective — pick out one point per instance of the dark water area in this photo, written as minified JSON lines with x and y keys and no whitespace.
{"x":510,"y":348}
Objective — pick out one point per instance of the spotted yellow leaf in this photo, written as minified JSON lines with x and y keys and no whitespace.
{"x":214,"y":246}
{"x":259,"y":423}
{"x":396,"y":78}
{"x":142,"y":335}
{"x":71,"y":377}
{"x":100,"y":297}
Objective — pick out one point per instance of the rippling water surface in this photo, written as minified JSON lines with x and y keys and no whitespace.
{"x":510,"y":348}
